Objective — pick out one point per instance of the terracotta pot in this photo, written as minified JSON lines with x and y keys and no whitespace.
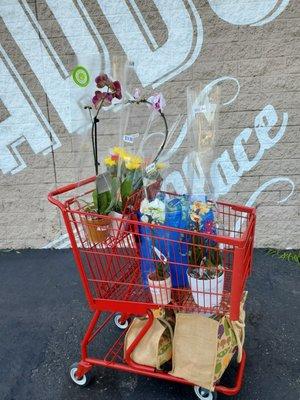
{"x":98,"y":229}
{"x":160,"y":290}
{"x":207,"y":293}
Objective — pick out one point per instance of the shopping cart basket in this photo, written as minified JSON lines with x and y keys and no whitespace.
{"x":111,"y":271}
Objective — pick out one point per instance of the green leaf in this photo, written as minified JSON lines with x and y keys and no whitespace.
{"x":103,"y":199}
{"x":126,"y":190}
{"x":113,"y":202}
{"x":95,"y":199}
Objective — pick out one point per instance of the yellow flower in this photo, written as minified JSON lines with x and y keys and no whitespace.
{"x":132,"y":165}
{"x":136,"y":159}
{"x":120,"y":152}
{"x":160,"y":165}
{"x":133,"y":162}
{"x":195,"y":217}
{"x":202,"y":207}
{"x":109,"y":161}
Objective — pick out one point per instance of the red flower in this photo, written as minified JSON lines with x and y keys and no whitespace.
{"x":98,"y":97}
{"x":102,"y":97}
{"x":116,"y":88}
{"x":108,"y":98}
{"x":113,"y":91}
{"x":102,"y":80}
{"x":115,"y":157}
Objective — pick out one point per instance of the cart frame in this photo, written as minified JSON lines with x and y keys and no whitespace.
{"x":243,"y":251}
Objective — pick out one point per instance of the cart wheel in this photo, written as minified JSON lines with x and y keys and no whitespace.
{"x":204,"y":394}
{"x":84,"y":381}
{"x":118,"y":323}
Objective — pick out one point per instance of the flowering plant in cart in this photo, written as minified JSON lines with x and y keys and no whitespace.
{"x":114,"y":187}
{"x":98,"y":229}
{"x":159,"y":281}
{"x":205,"y":272}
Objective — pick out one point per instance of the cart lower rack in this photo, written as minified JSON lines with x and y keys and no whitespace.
{"x":114,"y":257}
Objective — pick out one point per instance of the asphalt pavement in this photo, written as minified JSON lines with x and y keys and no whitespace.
{"x":43,"y":314}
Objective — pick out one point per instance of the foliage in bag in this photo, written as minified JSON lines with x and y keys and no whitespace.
{"x":205,"y":261}
{"x":205,"y":271}
{"x":155,"y":348}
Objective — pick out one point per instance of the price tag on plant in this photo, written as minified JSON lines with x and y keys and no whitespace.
{"x":150,"y":168}
{"x":128,"y":139}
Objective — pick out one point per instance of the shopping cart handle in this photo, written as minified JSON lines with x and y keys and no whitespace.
{"x":64,"y":189}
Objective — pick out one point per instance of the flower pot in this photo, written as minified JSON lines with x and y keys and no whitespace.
{"x":160,"y":290}
{"x":118,"y":224}
{"x":97,"y":229}
{"x":207,"y":293}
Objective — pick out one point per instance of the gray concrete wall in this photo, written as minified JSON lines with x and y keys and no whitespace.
{"x":173,"y":44}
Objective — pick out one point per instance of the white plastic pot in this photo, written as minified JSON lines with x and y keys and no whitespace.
{"x":160,"y":290}
{"x":207,"y":293}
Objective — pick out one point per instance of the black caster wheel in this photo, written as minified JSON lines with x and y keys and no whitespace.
{"x":119,"y":324}
{"x":204,"y":394}
{"x":85,"y":380}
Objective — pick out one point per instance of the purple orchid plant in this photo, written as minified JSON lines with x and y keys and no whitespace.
{"x":105,"y":98}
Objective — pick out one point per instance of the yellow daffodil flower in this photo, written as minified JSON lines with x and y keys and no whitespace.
{"x":131,"y":165}
{"x":160,"y":165}
{"x":109,"y":161}
{"x":120,"y":152}
{"x":133,"y":162}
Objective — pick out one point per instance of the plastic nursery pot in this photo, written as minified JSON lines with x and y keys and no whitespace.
{"x":160,"y":289}
{"x":97,"y":229}
{"x":207,"y":293}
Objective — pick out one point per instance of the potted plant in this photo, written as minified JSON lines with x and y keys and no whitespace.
{"x":97,"y":228}
{"x":205,"y":272}
{"x":125,"y":170}
{"x":108,"y":199}
{"x":159,"y":283}
{"x":206,"y":283}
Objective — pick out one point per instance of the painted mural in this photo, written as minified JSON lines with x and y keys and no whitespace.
{"x":185,"y":38}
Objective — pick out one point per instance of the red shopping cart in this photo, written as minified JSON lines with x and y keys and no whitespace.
{"x":113,"y":263}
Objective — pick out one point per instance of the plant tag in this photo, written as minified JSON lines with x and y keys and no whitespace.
{"x":160,"y":255}
{"x":128,"y":139}
{"x":150,"y":168}
{"x":199,"y":109}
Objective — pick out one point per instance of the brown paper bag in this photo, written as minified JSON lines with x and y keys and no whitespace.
{"x":203,"y":347}
{"x":195,"y":349}
{"x":231,"y":336}
{"x":155,"y":348}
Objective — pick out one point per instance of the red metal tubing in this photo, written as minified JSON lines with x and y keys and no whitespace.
{"x":134,"y":344}
{"x":124,"y":307}
{"x":127,"y":368}
{"x":237,"y":283}
{"x":64,"y":189}
{"x":238,"y":380}
{"x":88,"y":334}
{"x":165,"y":376}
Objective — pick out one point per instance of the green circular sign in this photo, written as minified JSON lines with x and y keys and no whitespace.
{"x":81,"y":76}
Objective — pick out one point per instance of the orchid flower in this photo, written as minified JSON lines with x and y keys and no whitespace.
{"x":157,"y":101}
